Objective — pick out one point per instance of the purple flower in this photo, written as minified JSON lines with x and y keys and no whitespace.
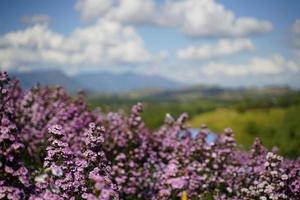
{"x":177,"y":183}
{"x":53,"y":147}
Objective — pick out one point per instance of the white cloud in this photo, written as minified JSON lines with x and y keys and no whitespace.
{"x":296,"y":27}
{"x":24,"y":47}
{"x":134,"y":11}
{"x":297,"y":54}
{"x":127,"y":11}
{"x":111,"y":41}
{"x":105,"y":43}
{"x":36,"y":19}
{"x":295,"y":37}
{"x":196,"y":18}
{"x":257,"y":71}
{"x":92,"y":9}
{"x":257,"y":66}
{"x":224,"y":48}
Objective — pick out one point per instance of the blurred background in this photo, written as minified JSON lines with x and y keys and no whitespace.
{"x":226,"y":63}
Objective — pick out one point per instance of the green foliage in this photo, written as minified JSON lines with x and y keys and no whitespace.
{"x":263,"y":102}
{"x":155,"y":110}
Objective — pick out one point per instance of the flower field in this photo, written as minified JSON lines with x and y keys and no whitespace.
{"x":53,"y":147}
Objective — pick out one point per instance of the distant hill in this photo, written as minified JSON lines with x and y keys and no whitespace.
{"x":132,"y":85}
{"x":47,"y":77}
{"x":100,"y":82}
{"x":209,"y":92}
{"x":217,"y":92}
{"x":125,"y":82}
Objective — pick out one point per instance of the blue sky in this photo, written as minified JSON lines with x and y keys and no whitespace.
{"x":230,"y":43}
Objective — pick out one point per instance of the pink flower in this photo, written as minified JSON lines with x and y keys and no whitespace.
{"x":177,"y":183}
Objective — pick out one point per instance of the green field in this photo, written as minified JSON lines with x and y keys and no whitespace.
{"x":271,"y":114}
{"x":275,"y":126}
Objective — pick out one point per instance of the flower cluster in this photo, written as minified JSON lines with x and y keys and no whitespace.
{"x":53,"y":147}
{"x":14,"y":180}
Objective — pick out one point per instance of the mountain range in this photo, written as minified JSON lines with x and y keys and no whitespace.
{"x":99,"y":82}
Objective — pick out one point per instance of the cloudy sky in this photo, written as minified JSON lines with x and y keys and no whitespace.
{"x":232,"y":43}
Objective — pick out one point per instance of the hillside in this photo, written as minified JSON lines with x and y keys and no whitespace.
{"x":278,"y":127}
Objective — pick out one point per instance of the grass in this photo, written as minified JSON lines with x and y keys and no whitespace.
{"x":246,"y":125}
